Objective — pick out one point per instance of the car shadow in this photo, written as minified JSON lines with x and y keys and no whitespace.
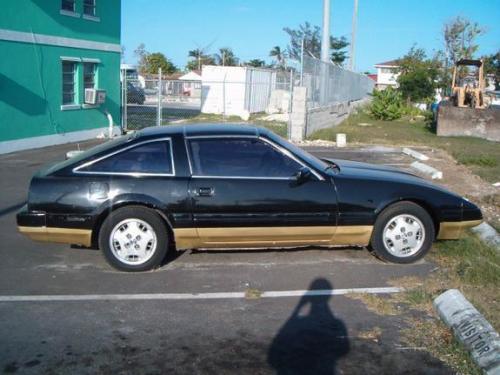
{"x":275,"y":249}
{"x":312,"y":340}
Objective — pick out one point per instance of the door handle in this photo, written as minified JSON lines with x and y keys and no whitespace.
{"x":205,"y":191}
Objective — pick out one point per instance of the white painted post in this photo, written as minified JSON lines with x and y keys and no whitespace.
{"x":158,"y":115}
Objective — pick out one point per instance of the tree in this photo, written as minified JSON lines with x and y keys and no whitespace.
{"x":338,"y":53}
{"x":312,"y":43}
{"x":460,"y":38}
{"x":226,"y":57}
{"x":492,"y":66}
{"x":279,"y":55}
{"x":418,"y":76}
{"x":157,"y":60}
{"x":199,"y":58}
{"x":149,"y":63}
{"x":256,"y":63}
{"x":386,"y":104}
{"x":141,"y":54}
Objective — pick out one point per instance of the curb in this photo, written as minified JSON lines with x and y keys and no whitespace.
{"x":471,"y":329}
{"x":427,"y":169}
{"x":415,"y":154}
{"x":488,"y":234}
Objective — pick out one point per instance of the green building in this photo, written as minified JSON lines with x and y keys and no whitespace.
{"x":51,"y":51}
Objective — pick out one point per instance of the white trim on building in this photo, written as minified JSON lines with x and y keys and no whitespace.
{"x":19,"y":36}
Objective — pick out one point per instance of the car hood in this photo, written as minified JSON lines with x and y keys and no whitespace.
{"x":367,"y":171}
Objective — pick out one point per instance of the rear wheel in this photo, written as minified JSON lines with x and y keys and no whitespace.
{"x":403,"y":233}
{"x":133,"y":238}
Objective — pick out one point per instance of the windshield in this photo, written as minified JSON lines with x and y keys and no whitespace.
{"x":302,"y":154}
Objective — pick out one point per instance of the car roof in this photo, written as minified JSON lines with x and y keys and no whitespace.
{"x":202,"y":130}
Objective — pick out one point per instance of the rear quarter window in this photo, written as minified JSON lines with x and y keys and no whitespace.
{"x":149,"y":158}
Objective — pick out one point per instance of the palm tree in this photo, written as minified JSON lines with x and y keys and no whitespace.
{"x":280,"y":55}
{"x":226,"y":57}
{"x":198,"y":55}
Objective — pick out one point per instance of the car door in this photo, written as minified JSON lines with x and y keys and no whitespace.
{"x":244,"y":193}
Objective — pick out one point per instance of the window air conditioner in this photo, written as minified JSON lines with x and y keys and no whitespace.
{"x":95,"y":96}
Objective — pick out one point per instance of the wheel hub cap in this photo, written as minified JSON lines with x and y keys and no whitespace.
{"x":133,"y":241}
{"x":404,"y":235}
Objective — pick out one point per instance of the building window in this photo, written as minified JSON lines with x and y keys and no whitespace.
{"x":89,"y":74}
{"x":68,"y":5}
{"x":89,"y":7}
{"x":68,"y":82}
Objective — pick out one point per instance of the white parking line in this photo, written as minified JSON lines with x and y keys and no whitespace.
{"x":193,"y":296}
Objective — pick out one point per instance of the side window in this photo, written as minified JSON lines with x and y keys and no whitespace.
{"x":89,"y":7}
{"x":239,"y":157}
{"x":153,"y":157}
{"x":89,"y":70}
{"x":68,"y":5}
{"x":68,"y":82}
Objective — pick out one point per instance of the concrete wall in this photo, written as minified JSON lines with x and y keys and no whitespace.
{"x":306,"y":121}
{"x":482,"y":123}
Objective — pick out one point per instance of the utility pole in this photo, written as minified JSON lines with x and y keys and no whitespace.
{"x":302,"y":61}
{"x":353,"y":36}
{"x":325,"y":40}
{"x":223,"y":58}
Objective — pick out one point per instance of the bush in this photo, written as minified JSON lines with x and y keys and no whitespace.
{"x":387,"y":104}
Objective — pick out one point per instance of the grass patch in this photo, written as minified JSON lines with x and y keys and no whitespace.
{"x":469,"y":265}
{"x":377,"y":304}
{"x":437,"y":339}
{"x":142,"y":117}
{"x":479,"y":160}
{"x":409,"y":131}
{"x":371,"y":334}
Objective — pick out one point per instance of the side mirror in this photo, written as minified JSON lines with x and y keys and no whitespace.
{"x":303,"y":175}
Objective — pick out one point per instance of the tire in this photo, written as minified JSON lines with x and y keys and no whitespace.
{"x":134,"y":239}
{"x":400,"y":222}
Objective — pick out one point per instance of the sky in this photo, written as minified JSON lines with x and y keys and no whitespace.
{"x":387,"y":29}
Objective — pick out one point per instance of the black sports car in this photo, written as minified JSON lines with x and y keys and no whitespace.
{"x":231,"y":186}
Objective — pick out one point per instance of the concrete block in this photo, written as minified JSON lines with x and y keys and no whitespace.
{"x":415,"y":154}
{"x":427,"y":169}
{"x":341,"y":140}
{"x":488,"y":234}
{"x":471,"y":329}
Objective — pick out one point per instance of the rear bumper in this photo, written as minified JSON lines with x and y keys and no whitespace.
{"x":453,"y":230}
{"x":34,"y":225}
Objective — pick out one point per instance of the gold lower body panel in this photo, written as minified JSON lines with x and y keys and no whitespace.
{"x":255,"y":237}
{"x":452,"y":230}
{"x":59,"y":235}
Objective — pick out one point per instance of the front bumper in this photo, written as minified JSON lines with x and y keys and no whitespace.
{"x":33,"y":224}
{"x":453,"y":230}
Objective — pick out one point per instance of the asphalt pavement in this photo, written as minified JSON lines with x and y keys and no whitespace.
{"x":202,"y":312}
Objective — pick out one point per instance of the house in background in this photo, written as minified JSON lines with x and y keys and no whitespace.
{"x":52,"y":51}
{"x":387,"y":74}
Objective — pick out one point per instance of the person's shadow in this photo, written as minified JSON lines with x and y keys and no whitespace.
{"x":312,"y":339}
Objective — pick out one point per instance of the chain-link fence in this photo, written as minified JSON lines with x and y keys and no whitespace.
{"x":153,"y":101}
{"x":328,"y":84}
{"x":223,"y":94}
{"x":237,"y":94}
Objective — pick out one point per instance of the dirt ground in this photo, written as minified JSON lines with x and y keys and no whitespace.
{"x":460,"y":179}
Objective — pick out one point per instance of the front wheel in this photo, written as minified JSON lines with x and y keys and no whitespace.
{"x":133,"y":238}
{"x":403,"y":233}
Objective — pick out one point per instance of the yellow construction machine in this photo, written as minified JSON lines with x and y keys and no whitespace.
{"x":468,"y":85}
